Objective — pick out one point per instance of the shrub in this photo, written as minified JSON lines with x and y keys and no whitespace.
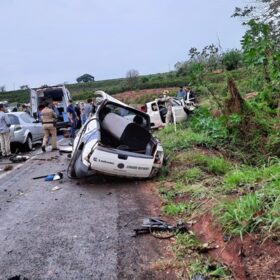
{"x":232,"y":59}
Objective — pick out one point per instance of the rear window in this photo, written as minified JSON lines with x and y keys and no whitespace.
{"x":13,"y":119}
{"x":27,"y":118}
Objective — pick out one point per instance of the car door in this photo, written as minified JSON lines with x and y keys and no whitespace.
{"x":34,"y":127}
{"x":154,"y":112}
{"x":178,"y":111}
{"x":15,"y":125}
{"x":34,"y":102}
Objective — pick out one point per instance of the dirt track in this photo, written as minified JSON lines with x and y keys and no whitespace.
{"x":81,"y":231}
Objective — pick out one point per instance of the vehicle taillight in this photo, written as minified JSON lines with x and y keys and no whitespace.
{"x":144,"y":108}
{"x":158,"y":157}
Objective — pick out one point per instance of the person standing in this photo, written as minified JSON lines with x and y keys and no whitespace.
{"x":78,"y":114}
{"x":72,"y":118}
{"x":88,"y":108}
{"x":48,"y":117}
{"x":168,"y":105}
{"x":83,"y":115}
{"x":5,"y":139}
{"x":190,"y":96}
{"x":25,"y":109}
{"x":181,"y":94}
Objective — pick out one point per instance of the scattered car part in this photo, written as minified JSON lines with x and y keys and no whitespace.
{"x":50,"y":177}
{"x":18,"y":158}
{"x":151,"y":225}
{"x":56,"y":188}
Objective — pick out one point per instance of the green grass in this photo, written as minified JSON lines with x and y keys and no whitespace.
{"x":189,"y":175}
{"x":211,"y":270}
{"x":217,"y":165}
{"x":238,"y":217}
{"x":196,"y":191}
{"x":251,"y":175}
{"x":184,"y":243}
{"x":175,"y":208}
{"x":254,"y":212}
{"x":181,"y":139}
{"x":167,"y":195}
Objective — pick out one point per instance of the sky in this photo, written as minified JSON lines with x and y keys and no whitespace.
{"x":56,"y":41}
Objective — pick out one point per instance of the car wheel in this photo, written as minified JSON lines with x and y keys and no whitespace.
{"x":28,"y":143}
{"x":77,"y":168}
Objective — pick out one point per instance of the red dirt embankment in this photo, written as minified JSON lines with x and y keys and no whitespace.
{"x":139,"y":93}
{"x":248,"y":259}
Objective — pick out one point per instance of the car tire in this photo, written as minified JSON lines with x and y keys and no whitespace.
{"x":28,"y":145}
{"x":78,"y":169}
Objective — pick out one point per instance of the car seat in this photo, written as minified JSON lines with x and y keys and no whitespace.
{"x":128,"y":133}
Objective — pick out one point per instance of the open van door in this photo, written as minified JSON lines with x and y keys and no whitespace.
{"x":34,"y":103}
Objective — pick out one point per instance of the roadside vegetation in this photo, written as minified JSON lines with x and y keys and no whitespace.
{"x":223,"y":163}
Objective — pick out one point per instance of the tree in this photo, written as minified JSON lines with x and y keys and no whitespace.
{"x":23,"y":87}
{"x":2,"y":88}
{"x":232,"y":59}
{"x":262,"y":11}
{"x":132,"y":77}
{"x":85,"y":78}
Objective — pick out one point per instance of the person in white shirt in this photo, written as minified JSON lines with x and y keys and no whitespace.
{"x":5,"y":132}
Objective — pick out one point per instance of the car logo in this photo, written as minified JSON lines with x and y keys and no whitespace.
{"x":120,"y":165}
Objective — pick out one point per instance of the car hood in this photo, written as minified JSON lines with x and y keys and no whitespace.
{"x":105,"y":96}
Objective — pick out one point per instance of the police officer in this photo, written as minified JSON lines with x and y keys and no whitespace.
{"x":48,"y":117}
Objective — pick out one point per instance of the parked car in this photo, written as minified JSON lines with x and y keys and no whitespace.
{"x":25,"y":129}
{"x":57,"y":96}
{"x":117,"y":141}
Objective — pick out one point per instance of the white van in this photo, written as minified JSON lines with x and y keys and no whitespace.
{"x":58,"y":97}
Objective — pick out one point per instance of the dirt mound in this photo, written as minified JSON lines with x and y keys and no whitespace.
{"x":138,"y":93}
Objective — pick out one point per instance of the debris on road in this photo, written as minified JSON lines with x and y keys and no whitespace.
{"x":8,"y":167}
{"x":56,"y":188}
{"x":151,"y":225}
{"x":17,"y":158}
{"x":46,"y":159}
{"x":17,"y":277}
{"x":50,"y":177}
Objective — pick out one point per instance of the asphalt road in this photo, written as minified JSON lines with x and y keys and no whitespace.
{"x":83,"y":230}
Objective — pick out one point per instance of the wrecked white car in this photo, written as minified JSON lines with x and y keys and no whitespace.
{"x":117,"y":141}
{"x":157,"y":110}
